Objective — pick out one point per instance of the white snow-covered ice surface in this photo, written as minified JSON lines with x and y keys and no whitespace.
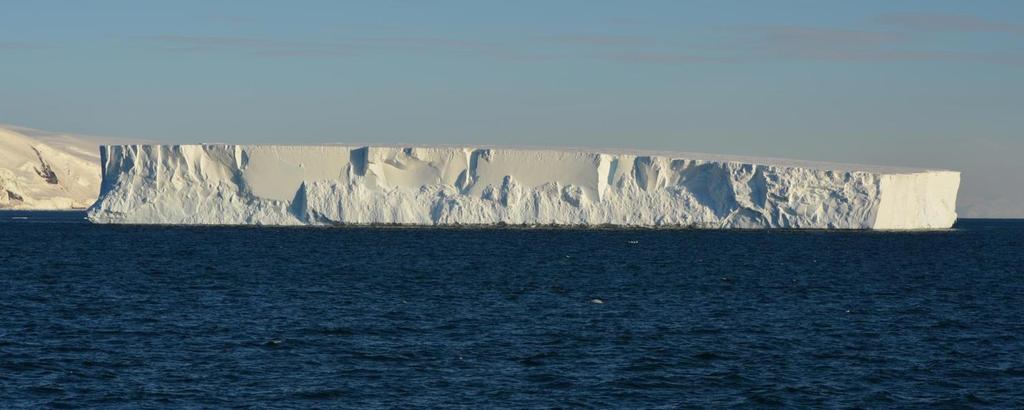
{"x":443,"y":185}
{"x":41,"y":170}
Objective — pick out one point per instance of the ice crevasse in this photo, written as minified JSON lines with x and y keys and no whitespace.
{"x":334,"y":184}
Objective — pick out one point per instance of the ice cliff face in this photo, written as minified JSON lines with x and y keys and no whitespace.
{"x":324,"y":185}
{"x":47,"y":171}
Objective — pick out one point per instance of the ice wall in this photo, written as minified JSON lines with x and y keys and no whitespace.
{"x":324,"y":185}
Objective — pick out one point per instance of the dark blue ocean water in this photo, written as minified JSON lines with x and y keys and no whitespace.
{"x":126,"y":316}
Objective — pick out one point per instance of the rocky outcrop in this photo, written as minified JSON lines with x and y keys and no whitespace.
{"x":47,"y":171}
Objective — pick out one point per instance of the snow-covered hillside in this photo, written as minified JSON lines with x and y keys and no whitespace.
{"x":323,"y":185}
{"x":47,"y":171}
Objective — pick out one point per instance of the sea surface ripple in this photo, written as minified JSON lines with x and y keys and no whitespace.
{"x":134,"y":316}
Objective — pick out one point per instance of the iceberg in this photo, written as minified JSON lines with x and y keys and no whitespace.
{"x":218,"y":184}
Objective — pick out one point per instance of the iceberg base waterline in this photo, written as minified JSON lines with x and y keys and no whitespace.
{"x":331,"y":184}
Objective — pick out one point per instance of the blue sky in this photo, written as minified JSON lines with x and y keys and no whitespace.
{"x":917,"y":83}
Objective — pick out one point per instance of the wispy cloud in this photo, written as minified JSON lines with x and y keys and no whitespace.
{"x":907,"y":55}
{"x":20,"y":46}
{"x":798,"y":43}
{"x":816,"y":42}
{"x":344,"y":47}
{"x":501,"y":50}
{"x":626,"y":22}
{"x":216,"y":41}
{"x":955,"y":56}
{"x":796,"y":36}
{"x":593,"y":40}
{"x":659,"y":57}
{"x":411,"y":41}
{"x":249,"y":45}
{"x":830,"y":44}
{"x":935,"y":22}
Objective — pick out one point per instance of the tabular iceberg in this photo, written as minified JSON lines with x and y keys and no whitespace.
{"x":330,"y":184}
